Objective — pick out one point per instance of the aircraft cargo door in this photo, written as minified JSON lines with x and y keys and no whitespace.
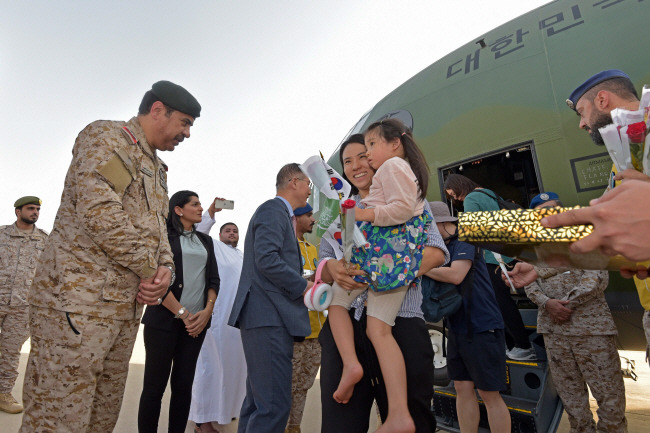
{"x":511,"y":172}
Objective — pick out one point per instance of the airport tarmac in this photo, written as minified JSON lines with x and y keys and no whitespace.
{"x":637,"y":393}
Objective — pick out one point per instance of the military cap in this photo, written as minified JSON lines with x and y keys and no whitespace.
{"x":543,"y":198}
{"x":30,"y":199}
{"x":176,"y":97}
{"x":302,"y":210}
{"x":591,"y":82}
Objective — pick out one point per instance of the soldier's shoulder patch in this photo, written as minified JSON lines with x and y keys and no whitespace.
{"x":129,"y":135}
{"x":164,"y":166}
{"x":115,"y":171}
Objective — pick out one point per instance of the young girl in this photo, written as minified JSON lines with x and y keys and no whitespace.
{"x":391,"y":259}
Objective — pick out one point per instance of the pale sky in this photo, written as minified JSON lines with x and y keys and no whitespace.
{"x":278,"y":81}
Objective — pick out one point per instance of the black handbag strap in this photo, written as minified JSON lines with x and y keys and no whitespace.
{"x":489,"y":195}
{"x":467,"y":289}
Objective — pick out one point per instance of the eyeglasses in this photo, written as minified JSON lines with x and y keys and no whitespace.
{"x":305,"y":180}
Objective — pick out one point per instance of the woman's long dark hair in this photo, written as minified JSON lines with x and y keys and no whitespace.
{"x":180,"y":199}
{"x":390,"y":129}
{"x":354,"y":138}
{"x":460,"y":185}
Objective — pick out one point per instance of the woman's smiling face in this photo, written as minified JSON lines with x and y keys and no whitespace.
{"x":356,"y":167}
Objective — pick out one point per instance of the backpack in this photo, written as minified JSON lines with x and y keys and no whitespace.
{"x":440,"y":300}
{"x":503,"y":204}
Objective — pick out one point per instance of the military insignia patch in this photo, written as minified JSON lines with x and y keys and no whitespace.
{"x":163,"y":181}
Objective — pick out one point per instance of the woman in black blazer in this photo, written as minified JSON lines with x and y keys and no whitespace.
{"x":174,"y":331}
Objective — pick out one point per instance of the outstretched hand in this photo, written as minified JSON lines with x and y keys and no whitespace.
{"x":212,"y":210}
{"x":621,"y":220}
{"x":521,"y":275}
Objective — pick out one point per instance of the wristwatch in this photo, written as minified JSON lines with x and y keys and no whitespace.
{"x":180,"y":313}
{"x":171,"y":282}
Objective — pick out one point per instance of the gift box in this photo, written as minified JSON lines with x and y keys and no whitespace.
{"x":518,"y":233}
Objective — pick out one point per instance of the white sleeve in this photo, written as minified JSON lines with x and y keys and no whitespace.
{"x":206,"y":223}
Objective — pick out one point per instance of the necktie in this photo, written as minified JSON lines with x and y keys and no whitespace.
{"x":293,"y":223}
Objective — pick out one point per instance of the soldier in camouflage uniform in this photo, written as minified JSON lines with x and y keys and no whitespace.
{"x":306,"y":354}
{"x":579,"y":334}
{"x":20,"y":245}
{"x":107,"y":255}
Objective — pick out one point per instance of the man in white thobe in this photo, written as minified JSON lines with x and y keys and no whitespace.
{"x":220,"y":380}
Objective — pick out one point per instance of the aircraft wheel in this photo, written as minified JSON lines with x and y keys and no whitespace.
{"x":440,"y":377}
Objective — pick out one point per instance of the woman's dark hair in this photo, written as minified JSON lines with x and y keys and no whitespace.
{"x":390,"y":129}
{"x":180,"y":199}
{"x":354,"y":138}
{"x":460,"y":185}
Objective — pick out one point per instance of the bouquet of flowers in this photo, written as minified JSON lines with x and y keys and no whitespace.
{"x":627,"y":138}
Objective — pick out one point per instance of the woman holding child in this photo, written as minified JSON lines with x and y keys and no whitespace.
{"x":348,"y":389}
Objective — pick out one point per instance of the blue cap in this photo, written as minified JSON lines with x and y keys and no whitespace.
{"x":543,"y":198}
{"x":591,"y":82}
{"x":302,"y":210}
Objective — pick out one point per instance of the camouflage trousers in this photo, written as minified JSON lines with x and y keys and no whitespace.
{"x":578,"y":361}
{"x":76,"y":371}
{"x":646,"y":328}
{"x":14,"y":331}
{"x":306,"y":361}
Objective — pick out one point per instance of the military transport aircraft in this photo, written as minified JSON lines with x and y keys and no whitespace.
{"x":494,"y":110}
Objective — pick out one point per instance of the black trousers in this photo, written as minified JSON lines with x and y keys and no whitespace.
{"x":515,"y":331}
{"x":168,"y":351}
{"x":413,"y":339}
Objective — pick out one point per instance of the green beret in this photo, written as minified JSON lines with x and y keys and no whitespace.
{"x":176,"y":97}
{"x":30,"y":199}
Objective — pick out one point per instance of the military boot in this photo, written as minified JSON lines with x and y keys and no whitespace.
{"x":9,"y":404}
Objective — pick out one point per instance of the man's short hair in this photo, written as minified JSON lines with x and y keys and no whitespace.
{"x":227,"y":224}
{"x":621,"y":87}
{"x":147,"y":101}
{"x":287,"y":173}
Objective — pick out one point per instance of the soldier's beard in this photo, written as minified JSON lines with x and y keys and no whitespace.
{"x":27,"y":221}
{"x":602,"y":119}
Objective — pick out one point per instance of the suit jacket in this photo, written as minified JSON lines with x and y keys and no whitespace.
{"x":271,"y":286}
{"x":158,"y":316}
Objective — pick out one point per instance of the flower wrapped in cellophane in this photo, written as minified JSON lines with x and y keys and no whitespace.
{"x":627,"y":138}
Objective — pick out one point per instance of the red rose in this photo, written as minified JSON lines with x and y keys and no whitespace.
{"x":349,"y":204}
{"x":636,"y":132}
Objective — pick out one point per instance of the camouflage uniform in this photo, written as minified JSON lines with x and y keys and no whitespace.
{"x":306,"y":354}
{"x":582,"y":350}
{"x":109,"y":233}
{"x":646,"y":328}
{"x":19,"y":253}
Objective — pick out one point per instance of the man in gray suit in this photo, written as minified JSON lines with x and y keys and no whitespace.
{"x":269,"y":307}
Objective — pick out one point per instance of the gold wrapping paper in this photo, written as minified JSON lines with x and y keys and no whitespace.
{"x":518,"y":233}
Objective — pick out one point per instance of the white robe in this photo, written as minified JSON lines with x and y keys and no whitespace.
{"x":220,"y":379}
